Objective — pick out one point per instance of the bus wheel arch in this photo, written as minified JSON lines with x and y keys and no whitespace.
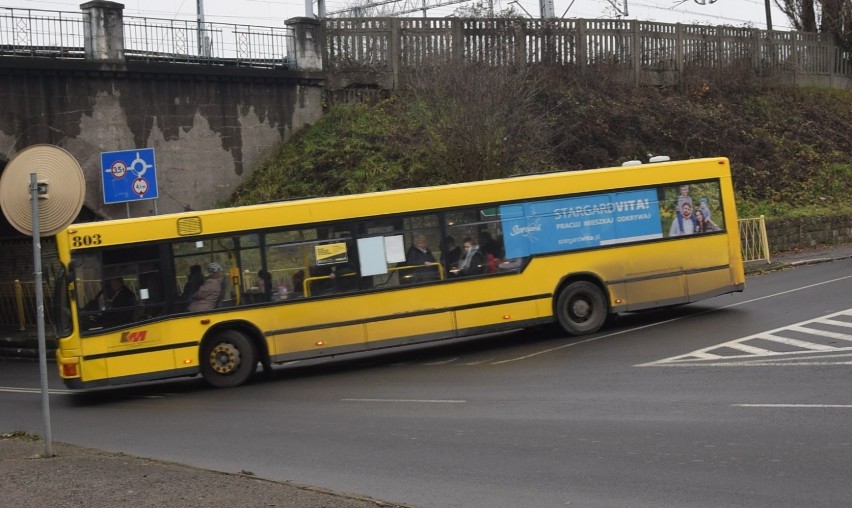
{"x":581,"y":304}
{"x":228,"y":355}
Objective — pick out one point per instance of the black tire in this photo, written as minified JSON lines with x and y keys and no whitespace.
{"x":581,"y":308}
{"x":227,"y":359}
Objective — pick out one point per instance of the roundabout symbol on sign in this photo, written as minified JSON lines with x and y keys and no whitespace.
{"x":118,"y":169}
{"x":140,"y":186}
{"x":128,"y":175}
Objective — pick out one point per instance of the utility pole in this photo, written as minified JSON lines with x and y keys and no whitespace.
{"x":203,"y":50}
{"x":768,"y":16}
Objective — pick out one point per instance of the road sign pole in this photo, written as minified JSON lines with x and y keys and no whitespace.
{"x":42,"y":347}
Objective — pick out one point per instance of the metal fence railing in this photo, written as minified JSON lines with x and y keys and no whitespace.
{"x":39,"y":33}
{"x":59,"y":34}
{"x":753,"y":240}
{"x":180,"y":41}
{"x":18,"y":304}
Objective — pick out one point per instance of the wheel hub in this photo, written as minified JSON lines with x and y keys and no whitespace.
{"x":580,"y":308}
{"x":224,"y":358}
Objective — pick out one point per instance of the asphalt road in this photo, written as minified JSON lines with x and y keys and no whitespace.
{"x":743,"y":400}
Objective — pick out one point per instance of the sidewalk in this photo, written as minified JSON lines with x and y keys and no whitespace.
{"x":794,"y":258}
{"x":77,"y":476}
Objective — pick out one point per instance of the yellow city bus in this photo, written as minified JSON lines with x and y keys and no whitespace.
{"x":317,"y":277}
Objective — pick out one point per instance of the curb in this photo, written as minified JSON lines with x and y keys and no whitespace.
{"x":12,"y":348}
{"x":781,"y":265}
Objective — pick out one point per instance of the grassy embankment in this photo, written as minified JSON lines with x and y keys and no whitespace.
{"x":790,"y":149}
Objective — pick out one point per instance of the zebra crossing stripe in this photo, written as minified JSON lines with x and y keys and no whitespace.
{"x":708,"y":355}
{"x":834,"y":322}
{"x":821,"y":333}
{"x":745,"y":348}
{"x":798,"y":343}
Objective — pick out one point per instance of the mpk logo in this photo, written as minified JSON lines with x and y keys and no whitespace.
{"x":138,"y":336}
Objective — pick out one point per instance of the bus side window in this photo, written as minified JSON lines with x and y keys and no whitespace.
{"x":481,"y":230}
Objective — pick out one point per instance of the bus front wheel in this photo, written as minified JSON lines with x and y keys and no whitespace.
{"x":228,"y":359}
{"x":581,"y":308}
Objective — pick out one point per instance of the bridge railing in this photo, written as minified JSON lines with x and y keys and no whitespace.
{"x":38,"y":33}
{"x":639,"y":51}
{"x":181,"y":41}
{"x":59,"y":34}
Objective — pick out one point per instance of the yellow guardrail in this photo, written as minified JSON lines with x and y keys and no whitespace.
{"x":753,"y":240}
{"x":18,"y":304}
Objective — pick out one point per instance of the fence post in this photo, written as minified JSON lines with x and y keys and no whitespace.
{"x":395,"y":47}
{"x":636,"y":57}
{"x":521,"y":42}
{"x":103,"y":31}
{"x":755,"y":43}
{"x":457,"y":36}
{"x":19,"y":305}
{"x":794,"y":56}
{"x":307,"y":42}
{"x":680,"y":53}
{"x":763,"y":237}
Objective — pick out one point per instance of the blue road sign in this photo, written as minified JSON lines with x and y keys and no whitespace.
{"x":129,"y":175}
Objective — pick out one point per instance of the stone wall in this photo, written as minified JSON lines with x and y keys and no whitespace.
{"x":209,"y":127}
{"x":803,"y":233}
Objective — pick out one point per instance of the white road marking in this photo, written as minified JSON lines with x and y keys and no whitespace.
{"x":833,"y":406}
{"x":478,"y":362}
{"x":706,"y":356}
{"x":773,"y":295}
{"x":745,"y":348}
{"x":12,"y":389}
{"x":415,"y":401}
{"x":822,"y":333}
{"x":442,"y":362}
{"x":797,"y":343}
{"x":660,"y":323}
{"x":834,"y":322}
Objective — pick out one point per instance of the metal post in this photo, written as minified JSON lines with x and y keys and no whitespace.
{"x":768,"y":16}
{"x":19,"y":303}
{"x":764,"y":240}
{"x":202,"y":46}
{"x":42,"y":348}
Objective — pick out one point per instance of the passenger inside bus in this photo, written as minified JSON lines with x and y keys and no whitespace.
{"x":491,"y":249}
{"x":419,"y":255}
{"x":210,"y":294}
{"x":472,"y":262}
{"x":194,"y":280}
{"x":451,"y":251}
{"x":262,"y":289}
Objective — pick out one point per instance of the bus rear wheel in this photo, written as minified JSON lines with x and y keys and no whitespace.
{"x":228,"y":359}
{"x":581,"y":308}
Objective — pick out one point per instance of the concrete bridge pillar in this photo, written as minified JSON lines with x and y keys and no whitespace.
{"x":104,"y":31}
{"x":307,"y":43}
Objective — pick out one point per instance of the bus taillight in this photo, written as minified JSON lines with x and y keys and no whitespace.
{"x":70,"y":370}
